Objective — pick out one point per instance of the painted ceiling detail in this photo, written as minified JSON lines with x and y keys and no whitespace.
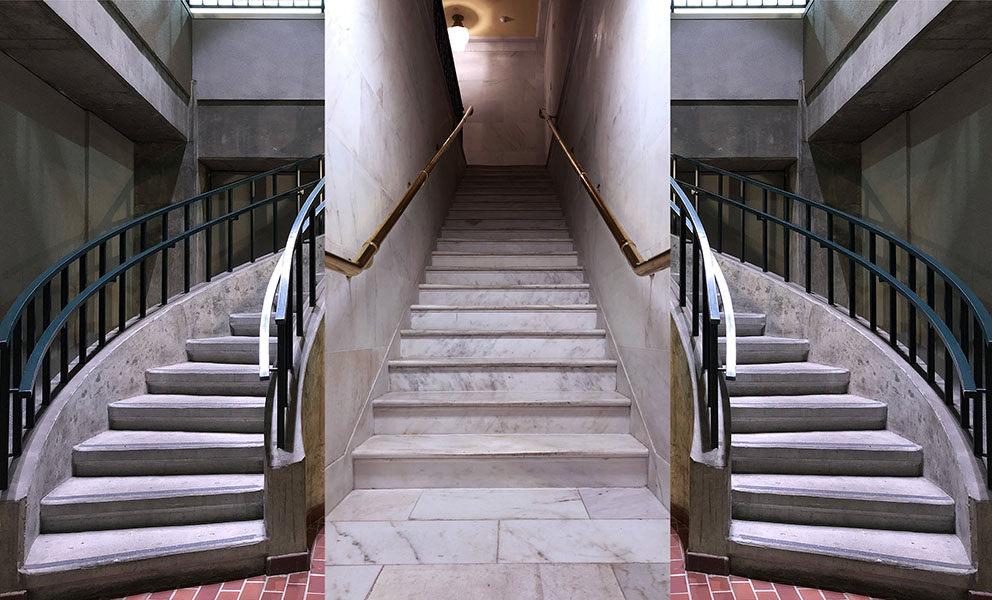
{"x":484,"y":18}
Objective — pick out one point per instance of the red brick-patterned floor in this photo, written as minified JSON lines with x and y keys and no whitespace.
{"x":309,"y":585}
{"x":699,"y":586}
{"x":305,"y":585}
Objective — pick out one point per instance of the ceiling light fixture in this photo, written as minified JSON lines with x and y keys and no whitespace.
{"x":458,"y":34}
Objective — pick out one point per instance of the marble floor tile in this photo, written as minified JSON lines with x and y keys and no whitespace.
{"x":643,"y":581}
{"x":509,"y":503}
{"x":458,"y":582}
{"x":576,"y":541}
{"x":622,"y":503}
{"x":579,"y":582}
{"x":375,"y":505}
{"x":349,"y":582}
{"x":411,"y":542}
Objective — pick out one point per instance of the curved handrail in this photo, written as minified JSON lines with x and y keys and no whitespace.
{"x":976,"y":305}
{"x":640,"y":265}
{"x":716,"y":292}
{"x":352,"y":267}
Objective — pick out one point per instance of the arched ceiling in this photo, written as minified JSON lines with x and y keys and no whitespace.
{"x":482,"y":17}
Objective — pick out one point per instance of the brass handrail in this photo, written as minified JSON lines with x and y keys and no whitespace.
{"x":351,"y":267}
{"x":641,"y":266}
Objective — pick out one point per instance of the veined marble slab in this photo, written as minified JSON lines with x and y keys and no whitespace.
{"x":645,"y":581}
{"x":463,"y":212}
{"x":541,"y":374}
{"x":458,"y":582}
{"x":505,"y":233}
{"x":486,"y":261}
{"x":563,"y":418}
{"x":503,"y":344}
{"x":349,"y":582}
{"x":556,"y":317}
{"x":580,"y":582}
{"x":573,"y":293}
{"x":496,"y":246}
{"x":504,"y":276}
{"x":504,"y":223}
{"x":375,"y":505}
{"x":509,"y":503}
{"x":410,"y":542}
{"x":623,"y":503}
{"x":592,"y":541}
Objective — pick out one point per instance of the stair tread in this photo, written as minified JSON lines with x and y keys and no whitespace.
{"x":228,"y":339}
{"x":516,"y":286}
{"x":500,"y":362}
{"x":454,"y":445}
{"x":797,"y":368}
{"x":765,"y":339}
{"x":509,"y":333}
{"x":206,"y":367}
{"x":506,"y":241}
{"x":501,"y":307}
{"x":77,"y":490}
{"x":902,"y":548}
{"x":189,"y":401}
{"x":845,"y":487}
{"x":506,"y":254}
{"x":827,"y":440}
{"x":502,"y":269}
{"x":805,"y":401}
{"x":502,"y":398}
{"x":64,"y":551}
{"x":150,"y":440}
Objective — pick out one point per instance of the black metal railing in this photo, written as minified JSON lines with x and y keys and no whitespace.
{"x":102,"y":273}
{"x":880,"y":267}
{"x":709,"y":291}
{"x":447,"y":59}
{"x":292,"y":278}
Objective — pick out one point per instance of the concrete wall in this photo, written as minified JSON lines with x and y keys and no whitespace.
{"x":504,"y":80}
{"x":614,"y":112}
{"x":831,"y":28}
{"x":924,"y":176}
{"x":735,"y":86}
{"x":387,"y":110}
{"x":166,"y":29}
{"x":67,"y":175}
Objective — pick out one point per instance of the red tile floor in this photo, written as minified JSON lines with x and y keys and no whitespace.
{"x":309,"y":585}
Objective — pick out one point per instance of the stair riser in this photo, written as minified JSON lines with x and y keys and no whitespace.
{"x":505,"y":320}
{"x":765,"y":420}
{"x":774,"y":384}
{"x":504,"y":189}
{"x":807,"y":461}
{"x":536,"y":247}
{"x":743,"y":328}
{"x":515,"y":199}
{"x":550,"y":233}
{"x":502,"y":378}
{"x":767,"y":353}
{"x":504,"y":347}
{"x":151,"y":512}
{"x":513,"y":224}
{"x":475,"y":419}
{"x":472,"y":203}
{"x":470,"y":214}
{"x":483,"y":261}
{"x":243,"y":353}
{"x":503,"y":297}
{"x":231,"y":420}
{"x":500,"y":472}
{"x":249,"y":327}
{"x":482,"y":277}
{"x":843,"y":512}
{"x":206,"y":383}
{"x":186,"y":461}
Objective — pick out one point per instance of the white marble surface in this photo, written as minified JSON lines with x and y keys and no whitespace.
{"x":503,"y":296}
{"x":579,"y":582}
{"x":502,"y":378}
{"x":410,"y":542}
{"x":611,"y":541}
{"x":457,"y":582}
{"x":558,"y":233}
{"x":520,"y":503}
{"x":574,"y":316}
{"x":481,"y":276}
{"x":502,"y":419}
{"x":622,"y":503}
{"x":349,"y":582}
{"x":375,"y":505}
{"x":649,"y":581}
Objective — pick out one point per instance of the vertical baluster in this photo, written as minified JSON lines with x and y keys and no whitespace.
{"x":122,"y":284}
{"x":719,"y":212}
{"x":743,"y":223}
{"x":64,"y":332}
{"x":786,"y":234}
{"x":988,"y":409}
{"x":852,"y":275}
{"x":142,"y":270}
{"x":5,"y":416}
{"x":705,"y":340}
{"x":893,"y":306}
{"x":251,"y":222}
{"x":683,"y":259}
{"x":17,"y":419}
{"x":230,"y":230}
{"x":187,"y":259}
{"x":872,"y":285}
{"x":713,"y":386}
{"x":695,"y":284}
{"x":313,"y":252}
{"x":830,"y":259}
{"x":298,"y":251}
{"x":46,"y":365}
{"x":282,"y":345}
{"x":948,"y":361}
{"x":912,"y":312}
{"x":165,"y":259}
{"x":28,"y":348}
{"x":299,"y":192}
{"x":981,"y":397}
{"x":101,"y":307}
{"x":275,"y":218}
{"x":964,"y":320}
{"x":931,"y":342}
{"x":81,"y":312}
{"x":209,"y":239}
{"x":809,"y":248}
{"x":764,"y":230}
{"x":290,"y":293}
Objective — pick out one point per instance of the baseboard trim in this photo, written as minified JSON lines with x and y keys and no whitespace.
{"x":707,"y":563}
{"x":972,"y":595}
{"x":18,"y":595}
{"x":287,"y":563}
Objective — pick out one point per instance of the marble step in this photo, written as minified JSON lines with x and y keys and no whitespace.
{"x":791,"y":378}
{"x":745,"y":323}
{"x":501,"y":412}
{"x":767,"y":349}
{"x":510,"y":374}
{"x":816,"y":412}
{"x":482,"y":343}
{"x":97,"y":503}
{"x":505,"y":246}
{"x":922,"y":566}
{"x":179,"y":412}
{"x":899,"y":503}
{"x":246,"y":324}
{"x":505,"y":189}
{"x":503,"y":275}
{"x":235,"y":349}
{"x":119,"y":562}
{"x":459,"y":213}
{"x":203,"y":378}
{"x":500,"y":460}
{"x":517,"y":223}
{"x":511,"y":199}
{"x":501,"y":261}
{"x":505,"y":233}
{"x":121,"y":453}
{"x":544,"y":317}
{"x":500,"y":295}
{"x":862,"y":453}
{"x":524,"y":206}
